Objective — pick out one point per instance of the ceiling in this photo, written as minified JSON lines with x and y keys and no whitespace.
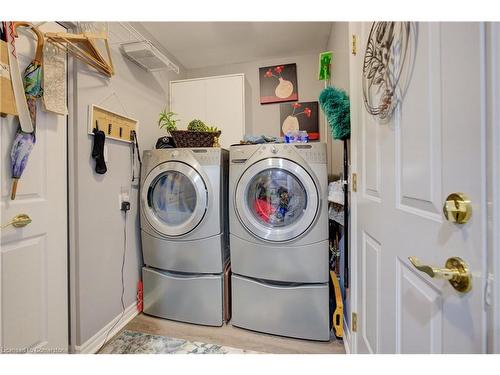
{"x":203,"y":44}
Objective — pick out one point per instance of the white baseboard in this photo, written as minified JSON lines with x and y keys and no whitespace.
{"x":93,"y":344}
{"x":347,"y":338}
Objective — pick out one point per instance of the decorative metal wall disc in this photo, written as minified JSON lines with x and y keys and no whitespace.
{"x":387,"y":66}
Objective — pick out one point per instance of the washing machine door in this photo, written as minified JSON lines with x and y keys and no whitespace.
{"x":174,"y":198}
{"x":276,"y":199}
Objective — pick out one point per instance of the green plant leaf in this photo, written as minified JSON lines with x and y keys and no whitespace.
{"x":167,"y":121}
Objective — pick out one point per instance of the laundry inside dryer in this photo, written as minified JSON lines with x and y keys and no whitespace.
{"x":172,"y":197}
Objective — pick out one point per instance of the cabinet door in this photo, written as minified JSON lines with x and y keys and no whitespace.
{"x":188,"y":100}
{"x":225,"y":108}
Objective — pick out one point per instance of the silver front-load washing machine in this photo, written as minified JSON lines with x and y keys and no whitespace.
{"x":279,"y":239}
{"x":184,"y":233}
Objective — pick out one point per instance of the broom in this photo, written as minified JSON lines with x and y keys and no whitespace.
{"x":335,"y":104}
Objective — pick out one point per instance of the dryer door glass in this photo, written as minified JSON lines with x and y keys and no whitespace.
{"x":173,"y":198}
{"x":276,"y":198}
{"x":175,"y":201}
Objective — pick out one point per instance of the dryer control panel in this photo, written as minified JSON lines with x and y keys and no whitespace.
{"x":207,"y":156}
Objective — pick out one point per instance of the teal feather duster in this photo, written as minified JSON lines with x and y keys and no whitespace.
{"x":335,"y":104}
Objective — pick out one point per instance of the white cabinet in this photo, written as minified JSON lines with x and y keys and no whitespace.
{"x":217,"y":101}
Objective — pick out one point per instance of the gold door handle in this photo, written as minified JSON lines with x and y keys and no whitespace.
{"x":18,"y":221}
{"x":457,"y":208}
{"x":455,"y":271}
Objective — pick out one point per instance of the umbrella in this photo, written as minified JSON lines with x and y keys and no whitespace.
{"x":23,"y":141}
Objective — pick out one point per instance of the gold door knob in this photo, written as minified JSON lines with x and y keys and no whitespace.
{"x":18,"y":221}
{"x":457,"y":208}
{"x":455,"y":271}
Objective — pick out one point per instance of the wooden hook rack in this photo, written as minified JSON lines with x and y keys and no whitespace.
{"x":114,"y":125}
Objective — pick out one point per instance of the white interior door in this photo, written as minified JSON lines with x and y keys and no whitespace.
{"x":33,"y":277}
{"x":433,"y":146}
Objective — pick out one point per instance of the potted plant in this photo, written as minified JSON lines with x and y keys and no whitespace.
{"x":168,"y":122}
{"x":198,"y":134}
{"x":200,"y":126}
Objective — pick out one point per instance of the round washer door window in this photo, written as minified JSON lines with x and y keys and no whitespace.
{"x":276,"y":199}
{"x":175,"y":198}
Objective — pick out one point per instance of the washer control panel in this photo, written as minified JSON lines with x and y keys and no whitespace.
{"x":240,"y":154}
{"x":311,"y":152}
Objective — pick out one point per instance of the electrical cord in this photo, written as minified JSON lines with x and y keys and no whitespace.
{"x":134,"y":147}
{"x":123,"y":282}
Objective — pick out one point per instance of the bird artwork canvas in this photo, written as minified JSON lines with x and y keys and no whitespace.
{"x":278,"y":83}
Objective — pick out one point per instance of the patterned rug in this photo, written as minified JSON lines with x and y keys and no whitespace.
{"x":129,"y":342}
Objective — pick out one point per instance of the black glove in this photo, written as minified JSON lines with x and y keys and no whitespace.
{"x":98,"y":151}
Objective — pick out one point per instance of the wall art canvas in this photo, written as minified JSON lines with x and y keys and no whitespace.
{"x":278,"y":83}
{"x":300,"y":116}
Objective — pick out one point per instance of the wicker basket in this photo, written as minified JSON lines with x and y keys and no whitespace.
{"x":186,"y":138}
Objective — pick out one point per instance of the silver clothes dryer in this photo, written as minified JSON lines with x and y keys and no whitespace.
{"x":184,"y":233}
{"x":279,"y":239}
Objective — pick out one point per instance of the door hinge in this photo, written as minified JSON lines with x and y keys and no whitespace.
{"x":354,"y":322}
{"x":354,"y":45}
{"x":354,"y":182}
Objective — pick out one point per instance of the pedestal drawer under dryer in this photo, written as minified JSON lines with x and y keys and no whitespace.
{"x":187,"y":298}
{"x":299,"y":311}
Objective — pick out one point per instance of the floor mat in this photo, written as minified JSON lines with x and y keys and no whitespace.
{"x":130,"y":342}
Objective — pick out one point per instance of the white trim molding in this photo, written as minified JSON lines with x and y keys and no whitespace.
{"x":347,"y":339}
{"x":493,"y":183}
{"x":92,"y":345}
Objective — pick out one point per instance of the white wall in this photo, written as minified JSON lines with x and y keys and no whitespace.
{"x":265,"y":119}
{"x":96,"y":226}
{"x":339,"y":44}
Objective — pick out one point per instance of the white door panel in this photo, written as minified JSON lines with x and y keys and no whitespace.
{"x":433,"y":146}
{"x":33,"y":277}
{"x":188,"y":100}
{"x":217,"y":101}
{"x":225,"y":109}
